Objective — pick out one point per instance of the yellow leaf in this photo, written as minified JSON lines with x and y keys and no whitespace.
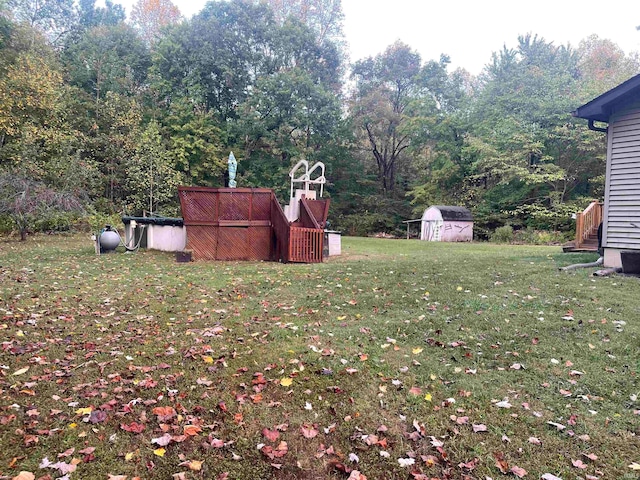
{"x":159,"y":452}
{"x":73,"y":425}
{"x":342,"y":317}
{"x":432,"y":377}
{"x":207,"y":359}
{"x":21,"y":371}
{"x":286,"y":382}
{"x":426,"y":294}
{"x":128,"y":456}
{"x":459,"y":289}
{"x":84,"y":411}
{"x":417,"y":350}
{"x":428,"y":397}
{"x":195,"y":465}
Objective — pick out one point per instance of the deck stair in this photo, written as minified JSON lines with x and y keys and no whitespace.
{"x":587,"y":223}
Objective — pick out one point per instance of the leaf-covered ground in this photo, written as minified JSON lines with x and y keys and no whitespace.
{"x":400,"y":359}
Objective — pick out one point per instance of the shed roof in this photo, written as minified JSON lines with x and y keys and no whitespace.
{"x":601,"y":108}
{"x":460,"y":214}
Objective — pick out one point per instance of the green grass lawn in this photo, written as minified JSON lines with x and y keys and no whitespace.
{"x":400,"y":359}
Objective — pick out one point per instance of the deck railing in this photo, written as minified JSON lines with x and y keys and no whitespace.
{"x":587,"y":222}
{"x":306,"y":216}
{"x":281,"y":230}
{"x":305,"y":245}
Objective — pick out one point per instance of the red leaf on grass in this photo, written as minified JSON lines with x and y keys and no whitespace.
{"x":470,"y":465}
{"x":501,"y":463}
{"x":308,"y":431}
{"x":164,"y":413}
{"x":278,"y":452}
{"x":67,"y":453}
{"x":356,"y":475}
{"x":479,"y":427}
{"x":578,"y":464}
{"x":518,"y":472}
{"x":132,"y":427}
{"x":192,"y":430}
{"x":271,"y":435}
{"x":97,"y":416}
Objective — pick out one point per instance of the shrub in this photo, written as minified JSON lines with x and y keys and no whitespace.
{"x":6,"y":224}
{"x":541,"y":237}
{"x":98,"y":220}
{"x":363,"y":224}
{"x":56,"y":222}
{"x":502,"y":234}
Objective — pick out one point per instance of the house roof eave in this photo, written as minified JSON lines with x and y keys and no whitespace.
{"x":600,"y":108}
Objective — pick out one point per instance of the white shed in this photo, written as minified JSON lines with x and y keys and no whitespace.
{"x":442,"y":223}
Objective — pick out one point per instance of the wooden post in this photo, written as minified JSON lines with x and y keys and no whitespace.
{"x":408,"y":230}
{"x":579,"y":229}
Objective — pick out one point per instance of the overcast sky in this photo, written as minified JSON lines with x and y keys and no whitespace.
{"x":470,"y":30}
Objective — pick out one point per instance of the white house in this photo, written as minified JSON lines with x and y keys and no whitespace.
{"x":620,"y":109}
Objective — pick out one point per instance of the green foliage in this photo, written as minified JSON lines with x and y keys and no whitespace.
{"x":531,"y":236}
{"x":108,"y":58}
{"x":7,"y":224}
{"x":54,"y":18}
{"x":371,"y":214}
{"x":97,"y":220}
{"x":213,"y":58}
{"x":363,"y":224}
{"x":92,"y":16}
{"x":539,"y":217}
{"x":57,"y":222}
{"x":151,"y":177}
{"x":195,"y":140}
{"x":502,"y":234}
{"x":87,"y":108}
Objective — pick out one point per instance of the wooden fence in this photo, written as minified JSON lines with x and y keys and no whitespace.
{"x":248,"y":224}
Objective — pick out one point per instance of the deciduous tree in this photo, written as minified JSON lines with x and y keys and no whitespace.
{"x":395,"y":96}
{"x":324,"y":17}
{"x":152,"y":179}
{"x":54,"y":18}
{"x":149,"y":17}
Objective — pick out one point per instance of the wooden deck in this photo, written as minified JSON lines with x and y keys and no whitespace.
{"x":249,"y":224}
{"x":587,"y":224}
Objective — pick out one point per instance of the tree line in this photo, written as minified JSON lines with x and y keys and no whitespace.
{"x":118,"y":112}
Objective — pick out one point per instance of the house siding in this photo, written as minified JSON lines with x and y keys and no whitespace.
{"x":622,"y":196}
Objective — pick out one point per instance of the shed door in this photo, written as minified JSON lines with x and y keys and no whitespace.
{"x":432,"y":230}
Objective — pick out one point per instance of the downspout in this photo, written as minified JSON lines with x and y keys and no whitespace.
{"x":594,"y":128}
